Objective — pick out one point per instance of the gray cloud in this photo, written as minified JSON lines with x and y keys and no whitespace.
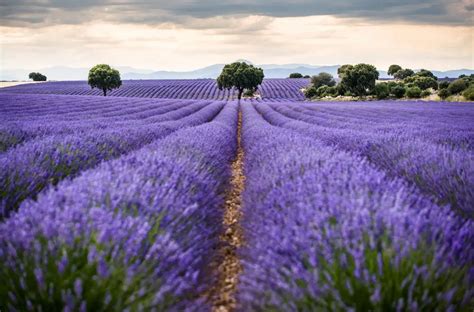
{"x":30,"y":13}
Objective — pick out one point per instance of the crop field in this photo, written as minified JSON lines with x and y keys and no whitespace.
{"x":173,"y":196}
{"x":173,"y":89}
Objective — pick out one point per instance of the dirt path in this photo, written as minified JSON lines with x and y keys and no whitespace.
{"x":223,"y":295}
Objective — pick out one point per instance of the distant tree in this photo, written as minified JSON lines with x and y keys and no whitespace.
{"x":393,"y":69}
{"x":425,"y":93}
{"x":444,"y":93}
{"x":359,"y":79}
{"x":457,"y":86}
{"x":241,"y":76}
{"x":323,"y":79}
{"x":381,"y":90}
{"x":104,"y":77}
{"x":413,"y":93}
{"x":37,"y":76}
{"x":295,"y":75}
{"x":307,"y":76}
{"x":422,"y":82}
{"x":310,"y":92}
{"x":426,"y":73}
{"x":404,"y":73}
{"x":398,"y":91}
{"x":343,"y":69}
{"x":469,"y":93}
{"x":443,"y":84}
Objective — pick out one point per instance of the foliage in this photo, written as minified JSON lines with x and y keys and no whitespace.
{"x":444,"y":93}
{"x":443,"y":84}
{"x":341,"y":71}
{"x":426,"y":73}
{"x":421,"y":82}
{"x":104,"y":77}
{"x":425,"y":93}
{"x":398,"y":91}
{"x":403,"y":73}
{"x":310,"y":92}
{"x":457,"y":86}
{"x":323,"y":79}
{"x":295,"y":75}
{"x":307,"y":76}
{"x":469,"y":93}
{"x":382,"y":90}
{"x":393,"y":69}
{"x":241,"y":76}
{"x":37,"y":76}
{"x":359,"y":79}
{"x":413,"y":92}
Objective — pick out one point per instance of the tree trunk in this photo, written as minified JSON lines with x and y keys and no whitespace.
{"x":240,"y":93}
{"x":105,"y":91}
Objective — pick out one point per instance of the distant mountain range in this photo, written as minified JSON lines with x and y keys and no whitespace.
{"x":270,"y":70}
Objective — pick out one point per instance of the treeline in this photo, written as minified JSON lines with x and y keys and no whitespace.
{"x":361,"y":81}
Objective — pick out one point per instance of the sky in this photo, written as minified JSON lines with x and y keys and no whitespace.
{"x":188,"y":34}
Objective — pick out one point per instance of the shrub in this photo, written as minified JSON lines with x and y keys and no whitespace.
{"x":443,"y":84}
{"x":444,"y":93}
{"x":426,"y":73}
{"x":381,"y":90}
{"x":307,"y":76}
{"x":413,"y":92}
{"x":398,"y":91}
{"x":310,"y":92}
{"x":425,"y":93}
{"x":469,"y":93}
{"x":321,"y":90}
{"x":457,"y":86}
{"x":330,"y":91}
{"x":323,"y":79}
{"x":296,"y":75}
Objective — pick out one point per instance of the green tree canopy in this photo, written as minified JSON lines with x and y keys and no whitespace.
{"x":426,"y":73}
{"x":104,"y":77}
{"x":393,"y":69}
{"x":295,"y":75}
{"x":404,"y":73}
{"x":323,"y":79}
{"x":37,"y":76}
{"x":241,"y":76}
{"x":359,"y":79}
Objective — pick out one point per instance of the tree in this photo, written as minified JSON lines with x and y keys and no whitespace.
{"x":307,"y":76}
{"x":241,"y":76}
{"x":310,"y":92}
{"x":341,"y":71}
{"x":469,"y":93}
{"x":381,"y":90}
{"x":295,"y":75}
{"x":426,"y":73}
{"x":443,"y":84}
{"x":404,"y":73}
{"x":398,"y":91}
{"x":37,"y":76}
{"x":323,"y":79}
{"x":359,"y":79}
{"x":444,"y":93}
{"x":104,"y":77}
{"x":422,"y":82}
{"x":457,"y":86}
{"x":413,"y":92}
{"x":393,"y":69}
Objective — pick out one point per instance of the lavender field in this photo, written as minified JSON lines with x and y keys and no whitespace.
{"x":173,"y":196}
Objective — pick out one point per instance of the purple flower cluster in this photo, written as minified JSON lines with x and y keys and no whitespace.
{"x":29,"y":168}
{"x":441,"y":166}
{"x":136,"y":233}
{"x":202,"y":89}
{"x":328,"y":231}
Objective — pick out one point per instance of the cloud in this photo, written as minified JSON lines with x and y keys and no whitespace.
{"x":29,"y":13}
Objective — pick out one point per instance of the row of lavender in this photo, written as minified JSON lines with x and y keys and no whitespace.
{"x":173,"y":89}
{"x":334,"y":223}
{"x":136,"y":232}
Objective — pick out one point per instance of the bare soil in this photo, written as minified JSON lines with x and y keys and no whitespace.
{"x":222,"y":296}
